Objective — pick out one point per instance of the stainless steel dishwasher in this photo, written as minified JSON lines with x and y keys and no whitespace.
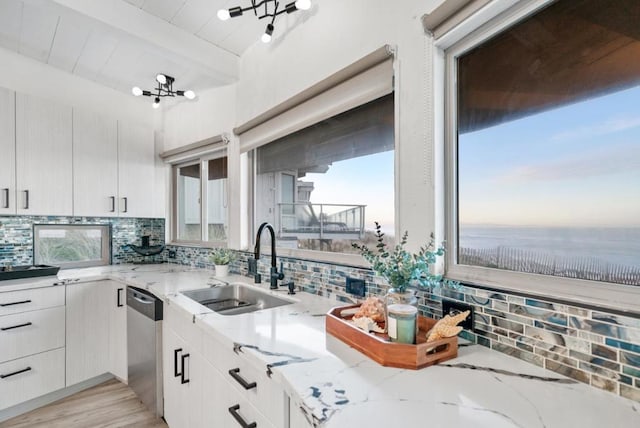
{"x":144,"y":347}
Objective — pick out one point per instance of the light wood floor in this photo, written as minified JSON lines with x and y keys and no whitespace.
{"x":111,"y":404}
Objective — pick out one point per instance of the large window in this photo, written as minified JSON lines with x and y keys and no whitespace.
{"x":546,"y":153}
{"x":323,"y":187}
{"x":199,"y":201}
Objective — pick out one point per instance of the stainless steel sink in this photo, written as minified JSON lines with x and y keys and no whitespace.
{"x":235,"y":299}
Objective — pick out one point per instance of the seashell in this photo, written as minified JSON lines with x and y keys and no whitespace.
{"x":447,"y":326}
{"x":373,"y":308}
{"x":367,"y":324}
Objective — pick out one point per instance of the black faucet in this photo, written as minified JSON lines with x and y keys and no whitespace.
{"x":253,"y":263}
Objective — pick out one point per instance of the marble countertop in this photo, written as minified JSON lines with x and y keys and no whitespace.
{"x":336,"y":386}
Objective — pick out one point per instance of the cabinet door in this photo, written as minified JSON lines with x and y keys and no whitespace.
{"x":43,"y":157}
{"x":7,"y":152}
{"x":176,"y":405}
{"x":95,"y":165}
{"x":136,"y":170}
{"x":87,"y":330}
{"x":118,"y":330}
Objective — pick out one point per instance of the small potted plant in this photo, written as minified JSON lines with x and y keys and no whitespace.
{"x":221,"y":257}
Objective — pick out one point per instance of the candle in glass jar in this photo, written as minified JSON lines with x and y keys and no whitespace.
{"x":402,"y":323}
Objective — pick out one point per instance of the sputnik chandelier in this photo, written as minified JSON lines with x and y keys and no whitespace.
{"x":164,"y":89}
{"x":269,"y":9}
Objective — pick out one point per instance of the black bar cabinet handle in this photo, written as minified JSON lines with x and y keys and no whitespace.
{"x":183,"y":380}
{"x":22,"y":302}
{"x":3,"y":376}
{"x":26,"y":199}
{"x":125,"y":205}
{"x":175,"y":362}
{"x":119,"y":292}
{"x":6,"y":197}
{"x":113,"y":204}
{"x":234,"y":412}
{"x":235,"y":373}
{"x":16,"y":326}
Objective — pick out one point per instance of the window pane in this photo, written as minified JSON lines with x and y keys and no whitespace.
{"x":71,"y":245}
{"x":188,"y":197}
{"x":549,"y":147}
{"x":217,"y":199}
{"x":323,"y":187}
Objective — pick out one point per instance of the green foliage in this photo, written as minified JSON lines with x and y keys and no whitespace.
{"x":399,"y":267}
{"x":222,"y":256}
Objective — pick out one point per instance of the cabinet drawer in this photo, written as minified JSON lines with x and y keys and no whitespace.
{"x":31,"y":377}
{"x":13,"y":302}
{"x":236,"y":403}
{"x":31,"y":332}
{"x":266,"y":396}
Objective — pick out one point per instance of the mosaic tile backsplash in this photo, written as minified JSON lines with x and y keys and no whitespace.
{"x":16,"y":236}
{"x":592,"y":346}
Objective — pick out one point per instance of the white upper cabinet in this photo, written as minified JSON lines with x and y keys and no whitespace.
{"x":44,"y":180}
{"x":7,"y":152}
{"x":136,"y":170}
{"x":95,"y":165}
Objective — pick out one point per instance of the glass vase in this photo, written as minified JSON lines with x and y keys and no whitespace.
{"x":394,"y":297}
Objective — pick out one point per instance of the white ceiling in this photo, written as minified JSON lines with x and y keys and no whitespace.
{"x":125,"y":43}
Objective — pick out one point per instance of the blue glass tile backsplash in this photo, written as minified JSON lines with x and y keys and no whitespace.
{"x":593,"y":346}
{"x":16,"y":236}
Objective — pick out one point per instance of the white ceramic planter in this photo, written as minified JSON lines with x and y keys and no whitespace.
{"x":222,"y":270}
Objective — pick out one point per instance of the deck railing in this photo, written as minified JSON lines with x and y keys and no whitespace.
{"x":321,"y":221}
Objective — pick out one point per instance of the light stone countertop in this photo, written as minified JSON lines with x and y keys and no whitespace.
{"x":336,"y":386}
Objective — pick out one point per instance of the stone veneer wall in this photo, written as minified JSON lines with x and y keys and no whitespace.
{"x":16,"y":236}
{"x":593,"y":346}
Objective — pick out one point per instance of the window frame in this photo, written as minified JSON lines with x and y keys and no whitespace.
{"x":106,"y":247}
{"x":203,"y":162}
{"x":344,"y":259}
{"x":594,"y":293}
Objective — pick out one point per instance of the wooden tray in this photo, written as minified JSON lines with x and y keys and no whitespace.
{"x":391,"y":354}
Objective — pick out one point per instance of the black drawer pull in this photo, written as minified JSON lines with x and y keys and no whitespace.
{"x":119,"y":297}
{"x":234,"y":412}
{"x":3,"y":376}
{"x":235,"y":373}
{"x":175,"y":362}
{"x":22,"y":302}
{"x":16,"y":326}
{"x":183,"y":380}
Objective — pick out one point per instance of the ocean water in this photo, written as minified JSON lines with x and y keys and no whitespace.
{"x":620,"y":246}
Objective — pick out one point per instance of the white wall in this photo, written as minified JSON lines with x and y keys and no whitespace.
{"x":211,"y":114}
{"x":26,"y":75}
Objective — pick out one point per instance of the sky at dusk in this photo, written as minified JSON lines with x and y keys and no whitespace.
{"x":578,"y":165}
{"x":366,"y":180}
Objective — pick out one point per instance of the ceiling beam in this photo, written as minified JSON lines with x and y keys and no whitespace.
{"x":135,"y":22}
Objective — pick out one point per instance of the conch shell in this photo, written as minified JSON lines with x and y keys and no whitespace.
{"x":372,"y":308}
{"x":447,"y":326}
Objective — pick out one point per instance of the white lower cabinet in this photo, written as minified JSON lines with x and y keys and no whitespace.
{"x":96,"y":330}
{"x":207,"y":385}
{"x":32,"y":340}
{"x":30,"y":377}
{"x":182,"y":376}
